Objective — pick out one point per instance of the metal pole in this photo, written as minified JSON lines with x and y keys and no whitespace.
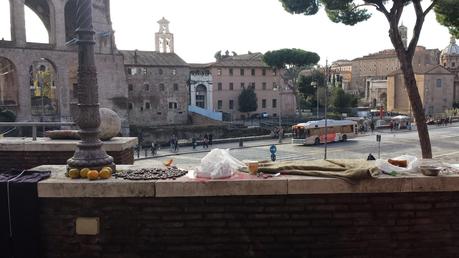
{"x":89,"y":152}
{"x":317,"y":96}
{"x":326,"y":103}
{"x":280,"y":113}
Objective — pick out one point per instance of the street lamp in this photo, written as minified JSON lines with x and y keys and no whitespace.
{"x":89,"y":152}
{"x":279,"y":88}
{"x":316,"y":86}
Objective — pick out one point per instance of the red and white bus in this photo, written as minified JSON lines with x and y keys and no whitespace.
{"x":313,"y":132}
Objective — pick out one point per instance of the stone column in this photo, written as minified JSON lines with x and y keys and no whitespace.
{"x":18,"y":31}
{"x":59,"y":24}
{"x":89,"y":151}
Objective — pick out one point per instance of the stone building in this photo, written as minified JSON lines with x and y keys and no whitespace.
{"x":341,"y":72}
{"x":449,"y":59}
{"x":230,"y":74}
{"x":157,"y":83}
{"x":378,"y":66}
{"x":38,"y":80}
{"x":435,"y":85}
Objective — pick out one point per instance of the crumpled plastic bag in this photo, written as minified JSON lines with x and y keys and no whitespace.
{"x":218,"y":163}
{"x":412,"y":165}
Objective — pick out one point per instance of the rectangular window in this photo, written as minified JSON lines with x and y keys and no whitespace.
{"x":161,"y":87}
{"x":147,"y":105}
{"x":252,"y":72}
{"x":242,"y":85}
{"x":231,"y":86}
{"x":263,"y":86}
{"x":130,"y":87}
{"x":438,"y":83}
{"x":160,"y":71}
{"x":130,"y":106}
{"x":231,"y":104}
{"x":174,"y":71}
{"x":231,"y":71}
{"x":274,"y":103}
{"x":175,"y":87}
{"x":263,"y":103}
{"x":242,"y":71}
{"x":263,"y":72}
{"x":129,"y":71}
{"x":252,"y":85}
{"x":219,"y":104}
{"x":219,"y":71}
{"x":146,"y":87}
{"x":274,"y":86}
{"x":143,"y":71}
{"x":453,"y":64}
{"x":219,"y":86}
{"x":172,"y":105}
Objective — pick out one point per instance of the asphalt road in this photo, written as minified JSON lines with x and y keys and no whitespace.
{"x":445,"y":147}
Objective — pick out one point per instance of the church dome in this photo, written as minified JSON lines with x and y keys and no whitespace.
{"x":451,"y":49}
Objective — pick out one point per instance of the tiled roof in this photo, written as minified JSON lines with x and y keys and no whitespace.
{"x":151,"y":58}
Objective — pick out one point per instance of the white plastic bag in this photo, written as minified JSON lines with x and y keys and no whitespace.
{"x":412,"y":164}
{"x":218,"y":163}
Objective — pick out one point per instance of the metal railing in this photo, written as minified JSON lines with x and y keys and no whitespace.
{"x":34,"y":125}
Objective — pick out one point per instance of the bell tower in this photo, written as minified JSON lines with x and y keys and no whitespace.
{"x":403,"y":30}
{"x":164,"y":40}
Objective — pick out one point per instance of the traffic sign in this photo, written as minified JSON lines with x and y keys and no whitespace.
{"x":378,"y":137}
{"x":273,"y":157}
{"x":273,"y":149}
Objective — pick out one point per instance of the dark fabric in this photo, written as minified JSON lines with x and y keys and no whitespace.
{"x":23,"y":198}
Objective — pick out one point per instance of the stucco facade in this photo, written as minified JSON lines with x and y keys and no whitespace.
{"x":231,"y":73}
{"x":435,"y":85}
{"x":58,"y":61}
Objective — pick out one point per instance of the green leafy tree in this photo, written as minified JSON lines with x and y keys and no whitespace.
{"x":247,"y":101}
{"x":448,"y":15}
{"x":351,"y":12}
{"x":290,"y":62}
{"x":342,"y":101}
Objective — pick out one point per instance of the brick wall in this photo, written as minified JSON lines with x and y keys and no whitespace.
{"x":334,"y":225}
{"x":30,"y":159}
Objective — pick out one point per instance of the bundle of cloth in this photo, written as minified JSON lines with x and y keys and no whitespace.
{"x":348,"y":170}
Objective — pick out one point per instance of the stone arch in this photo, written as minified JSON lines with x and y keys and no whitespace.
{"x":70,"y":11}
{"x":45,"y":10}
{"x":201,"y":96}
{"x":9,"y":90}
{"x":43,"y":89}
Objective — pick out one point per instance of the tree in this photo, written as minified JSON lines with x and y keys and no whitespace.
{"x":351,"y":12}
{"x":247,"y":100}
{"x":304,"y":82}
{"x":290,"y":62}
{"x":342,"y":101}
{"x":448,"y":15}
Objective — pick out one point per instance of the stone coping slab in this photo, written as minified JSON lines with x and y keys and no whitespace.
{"x":48,"y":144}
{"x":59,"y":186}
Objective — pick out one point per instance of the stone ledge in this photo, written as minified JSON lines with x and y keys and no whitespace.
{"x":241,"y":184}
{"x":47,"y":144}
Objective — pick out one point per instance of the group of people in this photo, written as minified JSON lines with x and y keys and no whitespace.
{"x":206,"y":141}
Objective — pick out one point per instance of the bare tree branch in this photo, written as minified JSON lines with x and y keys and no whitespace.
{"x":430,"y":7}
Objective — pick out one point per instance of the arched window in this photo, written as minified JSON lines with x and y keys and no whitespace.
{"x":201,"y":95}
{"x":5,"y":31}
{"x":8,"y":84}
{"x":70,"y":20}
{"x":43,"y":88}
{"x":37,"y":21}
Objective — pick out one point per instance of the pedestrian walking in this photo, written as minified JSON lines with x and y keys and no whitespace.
{"x":210,"y":139}
{"x":193,"y":142}
{"x":372,"y":126}
{"x":205,"y":142}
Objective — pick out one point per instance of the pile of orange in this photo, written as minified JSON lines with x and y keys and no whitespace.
{"x":104,"y":173}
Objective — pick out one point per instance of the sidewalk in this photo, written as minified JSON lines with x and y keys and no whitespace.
{"x":248,"y":142}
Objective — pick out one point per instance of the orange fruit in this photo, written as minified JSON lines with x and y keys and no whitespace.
{"x":93,"y":175}
{"x":108,"y":168}
{"x":84,"y":172}
{"x":105,"y":173}
{"x":74,"y":173}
